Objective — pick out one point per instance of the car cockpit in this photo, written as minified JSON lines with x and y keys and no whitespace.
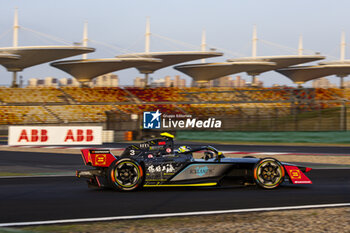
{"x":152,"y":148}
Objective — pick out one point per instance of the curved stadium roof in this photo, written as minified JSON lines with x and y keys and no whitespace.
{"x":251,"y":65}
{"x":6,"y":57}
{"x":303,"y":74}
{"x":86,"y":70}
{"x":169,"y":58}
{"x":282,"y":61}
{"x":208,"y":71}
{"x":35,"y":55}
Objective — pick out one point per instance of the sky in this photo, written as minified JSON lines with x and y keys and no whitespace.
{"x":228,"y":25}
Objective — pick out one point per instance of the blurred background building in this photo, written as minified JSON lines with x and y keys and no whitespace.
{"x":107,"y":80}
{"x":323,"y":83}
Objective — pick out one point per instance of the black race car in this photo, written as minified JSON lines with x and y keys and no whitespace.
{"x":155,"y":163}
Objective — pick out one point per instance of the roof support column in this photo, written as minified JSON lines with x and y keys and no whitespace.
{"x":254,"y":42}
{"x":204,"y":44}
{"x":342,"y":47}
{"x":342,"y":82}
{"x":147,"y":35}
{"x":85,"y":38}
{"x":146,"y":80}
{"x":300,"y":48}
{"x":85,"y":84}
{"x":254,"y":83}
{"x":300,"y":84}
{"x":14,"y":79}
{"x":15,"y":29}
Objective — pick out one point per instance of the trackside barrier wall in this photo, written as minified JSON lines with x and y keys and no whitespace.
{"x":283,"y":137}
{"x":108,"y":136}
{"x":55,"y":135}
{"x":128,"y":136}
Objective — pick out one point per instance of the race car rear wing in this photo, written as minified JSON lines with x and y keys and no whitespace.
{"x":97,"y":157}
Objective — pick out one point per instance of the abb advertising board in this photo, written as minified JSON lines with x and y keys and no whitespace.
{"x":55,"y":135}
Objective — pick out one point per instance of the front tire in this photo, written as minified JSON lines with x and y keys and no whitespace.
{"x":269,"y":173}
{"x":125,"y":174}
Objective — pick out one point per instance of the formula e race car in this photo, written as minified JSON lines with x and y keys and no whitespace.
{"x":155,"y":163}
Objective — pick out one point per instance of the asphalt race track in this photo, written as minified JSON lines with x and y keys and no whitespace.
{"x":52,"y":198}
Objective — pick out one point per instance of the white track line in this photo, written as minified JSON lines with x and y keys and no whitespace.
{"x":270,"y":153}
{"x":65,"y":221}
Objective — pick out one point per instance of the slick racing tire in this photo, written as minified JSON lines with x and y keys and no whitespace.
{"x":125,"y":174}
{"x":268,"y":173}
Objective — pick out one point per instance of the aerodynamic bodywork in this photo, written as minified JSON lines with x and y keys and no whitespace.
{"x":155,"y":163}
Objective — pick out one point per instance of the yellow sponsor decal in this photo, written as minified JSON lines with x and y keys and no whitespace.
{"x":100,"y":159}
{"x":295,"y":174}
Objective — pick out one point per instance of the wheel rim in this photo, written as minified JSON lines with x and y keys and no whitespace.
{"x":269,"y":174}
{"x":127,"y":174}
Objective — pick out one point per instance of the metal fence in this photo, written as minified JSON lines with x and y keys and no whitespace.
{"x":332,"y":119}
{"x":294,"y":118}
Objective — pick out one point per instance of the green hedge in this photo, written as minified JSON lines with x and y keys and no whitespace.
{"x":285,"y":137}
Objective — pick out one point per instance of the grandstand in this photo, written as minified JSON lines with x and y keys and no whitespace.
{"x":10,"y":115}
{"x":97,"y":94}
{"x":91,"y":105}
{"x":31,"y":95}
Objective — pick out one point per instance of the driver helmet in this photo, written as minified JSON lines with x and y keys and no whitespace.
{"x":183,"y":149}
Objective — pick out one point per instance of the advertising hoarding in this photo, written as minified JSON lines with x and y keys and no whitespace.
{"x":55,"y":135}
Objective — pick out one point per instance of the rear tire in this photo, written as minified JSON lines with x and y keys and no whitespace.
{"x":269,"y":173}
{"x":125,"y":174}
